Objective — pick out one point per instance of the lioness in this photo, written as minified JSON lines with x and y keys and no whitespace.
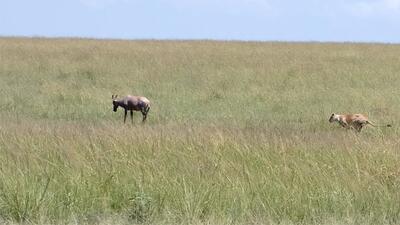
{"x":356,"y":121}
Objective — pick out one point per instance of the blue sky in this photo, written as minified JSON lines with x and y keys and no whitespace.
{"x":281,"y":20}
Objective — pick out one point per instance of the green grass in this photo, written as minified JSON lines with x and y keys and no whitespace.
{"x":238,"y":133}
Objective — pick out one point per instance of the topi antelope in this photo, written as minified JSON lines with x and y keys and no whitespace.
{"x":132,"y":103}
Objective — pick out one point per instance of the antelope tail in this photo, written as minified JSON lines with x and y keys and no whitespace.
{"x":374,"y":125}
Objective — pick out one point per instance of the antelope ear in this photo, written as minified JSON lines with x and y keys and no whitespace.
{"x":112,"y":96}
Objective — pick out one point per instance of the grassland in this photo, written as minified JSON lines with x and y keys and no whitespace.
{"x":237,"y":134}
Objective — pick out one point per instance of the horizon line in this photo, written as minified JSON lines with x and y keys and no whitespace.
{"x":194,"y":39}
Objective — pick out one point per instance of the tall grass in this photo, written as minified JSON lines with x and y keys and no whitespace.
{"x":237,"y":133}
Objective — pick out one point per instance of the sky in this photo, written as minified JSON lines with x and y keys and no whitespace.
{"x":248,"y":20}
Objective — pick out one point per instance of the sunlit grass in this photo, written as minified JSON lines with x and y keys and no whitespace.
{"x":238,"y":133}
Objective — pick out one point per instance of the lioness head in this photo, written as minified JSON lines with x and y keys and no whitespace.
{"x":333,"y":118}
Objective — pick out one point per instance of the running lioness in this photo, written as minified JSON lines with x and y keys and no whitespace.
{"x":356,"y":121}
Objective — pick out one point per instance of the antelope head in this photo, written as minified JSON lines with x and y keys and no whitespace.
{"x":115,"y":102}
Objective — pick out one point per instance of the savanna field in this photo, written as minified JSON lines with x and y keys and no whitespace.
{"x":238,"y":133}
